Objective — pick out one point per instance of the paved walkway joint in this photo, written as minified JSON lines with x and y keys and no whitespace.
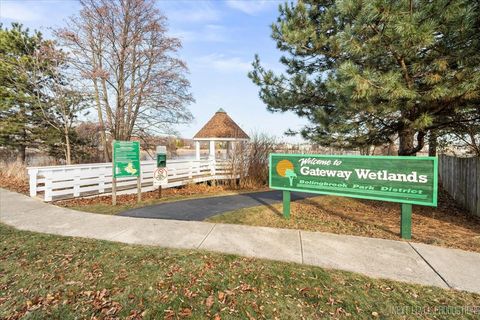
{"x":426,"y":261}
{"x":397,"y":260}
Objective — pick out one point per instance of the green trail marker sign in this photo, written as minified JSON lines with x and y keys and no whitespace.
{"x":126,"y":163}
{"x":407,"y":180}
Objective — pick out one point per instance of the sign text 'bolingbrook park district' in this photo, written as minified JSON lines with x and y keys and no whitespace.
{"x":408,"y":180}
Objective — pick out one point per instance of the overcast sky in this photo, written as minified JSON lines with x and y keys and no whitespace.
{"x":220,"y":39}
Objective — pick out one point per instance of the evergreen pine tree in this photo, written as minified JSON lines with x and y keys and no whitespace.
{"x":21,"y":123}
{"x":364,"y":72}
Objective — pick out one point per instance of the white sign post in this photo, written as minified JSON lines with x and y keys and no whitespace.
{"x":160,"y":177}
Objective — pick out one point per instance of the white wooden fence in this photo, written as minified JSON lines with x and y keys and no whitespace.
{"x":63,"y":182}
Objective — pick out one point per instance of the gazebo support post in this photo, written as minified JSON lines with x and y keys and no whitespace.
{"x":233,"y":148}
{"x":211,"y":154}
{"x":229,"y":150}
{"x":197,"y":150}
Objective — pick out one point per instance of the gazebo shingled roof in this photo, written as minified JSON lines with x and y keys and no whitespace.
{"x":221,"y":126}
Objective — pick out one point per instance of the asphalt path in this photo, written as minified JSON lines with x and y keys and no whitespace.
{"x":201,"y":209}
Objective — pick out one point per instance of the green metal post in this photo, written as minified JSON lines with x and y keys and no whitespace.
{"x":406,"y":221}
{"x":286,"y":204}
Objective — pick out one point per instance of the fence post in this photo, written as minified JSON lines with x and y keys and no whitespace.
{"x":212,"y":167}
{"x":48,"y":186}
{"x":32,"y":174}
{"x":101,"y":183}
{"x":76,"y":183}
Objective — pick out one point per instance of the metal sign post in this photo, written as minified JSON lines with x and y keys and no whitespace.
{"x":406,"y":221}
{"x":286,"y":204}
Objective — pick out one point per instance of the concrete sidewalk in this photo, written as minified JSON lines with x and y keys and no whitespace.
{"x":396,"y":260}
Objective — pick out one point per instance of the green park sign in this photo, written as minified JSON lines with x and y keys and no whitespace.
{"x":126,"y":163}
{"x":126,"y":159}
{"x":399,"y":179}
{"x":407,"y":180}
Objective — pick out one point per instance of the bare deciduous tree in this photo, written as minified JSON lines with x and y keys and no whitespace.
{"x":121,"y":48}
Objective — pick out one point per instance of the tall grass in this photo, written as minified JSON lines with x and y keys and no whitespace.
{"x":249,"y":160}
{"x":13,"y":176}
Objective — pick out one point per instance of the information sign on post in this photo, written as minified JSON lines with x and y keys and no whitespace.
{"x":407,"y":180}
{"x":160,"y":175}
{"x":126,"y":163}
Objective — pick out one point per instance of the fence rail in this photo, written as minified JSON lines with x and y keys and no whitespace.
{"x":63,"y":182}
{"x":461,"y":178}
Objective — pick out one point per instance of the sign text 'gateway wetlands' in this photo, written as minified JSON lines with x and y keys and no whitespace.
{"x":399,"y":179}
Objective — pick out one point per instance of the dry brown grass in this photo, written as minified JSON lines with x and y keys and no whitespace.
{"x":250,"y":161}
{"x":446,"y":225}
{"x":13,"y":176}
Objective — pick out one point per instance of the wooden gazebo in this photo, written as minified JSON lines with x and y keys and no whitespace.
{"x":219,"y":128}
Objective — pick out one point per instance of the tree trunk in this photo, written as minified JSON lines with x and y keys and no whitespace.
{"x":407,"y":145}
{"x":406,"y":137}
{"x":103,"y":135}
{"x":68,"y":154}
{"x":21,"y":153}
{"x":432,"y":144}
{"x":391,"y":148}
{"x":22,"y":148}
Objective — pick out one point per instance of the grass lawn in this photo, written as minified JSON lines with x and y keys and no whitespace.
{"x":445,"y":225}
{"x":103,"y":204}
{"x":45,"y":276}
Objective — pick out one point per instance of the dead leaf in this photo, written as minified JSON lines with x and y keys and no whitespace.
{"x":302,"y":290}
{"x":210,"y":301}
{"x":249,"y":316}
{"x":169,"y":314}
{"x":185,"y":312}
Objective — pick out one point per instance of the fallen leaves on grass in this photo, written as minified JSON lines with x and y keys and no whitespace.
{"x":145,"y":282}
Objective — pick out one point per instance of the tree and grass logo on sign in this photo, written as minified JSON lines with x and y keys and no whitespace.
{"x":285,"y":168}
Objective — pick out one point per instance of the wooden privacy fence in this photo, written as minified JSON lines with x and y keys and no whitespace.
{"x":63,"y":182}
{"x":461,"y":178}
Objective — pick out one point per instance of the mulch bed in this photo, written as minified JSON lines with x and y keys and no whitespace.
{"x":131,"y":199}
